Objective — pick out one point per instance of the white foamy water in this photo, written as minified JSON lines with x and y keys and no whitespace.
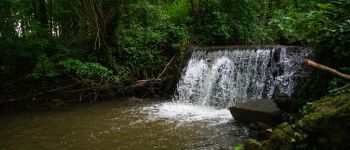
{"x":213,"y":81}
{"x":186,"y":113}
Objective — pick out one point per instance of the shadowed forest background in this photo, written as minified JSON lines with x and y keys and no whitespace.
{"x":101,"y":44}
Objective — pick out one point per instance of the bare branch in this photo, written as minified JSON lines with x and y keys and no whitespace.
{"x":326,"y":69}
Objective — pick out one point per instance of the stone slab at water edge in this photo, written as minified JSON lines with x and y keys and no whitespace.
{"x":257,"y":111}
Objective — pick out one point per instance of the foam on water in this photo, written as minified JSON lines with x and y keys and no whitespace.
{"x":185,"y":113}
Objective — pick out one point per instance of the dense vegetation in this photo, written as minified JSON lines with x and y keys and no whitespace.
{"x":50,"y":43}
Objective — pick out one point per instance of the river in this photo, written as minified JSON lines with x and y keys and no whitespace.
{"x":115,"y":124}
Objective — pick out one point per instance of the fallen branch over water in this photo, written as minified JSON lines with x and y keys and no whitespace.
{"x":166,"y":67}
{"x":326,"y":69}
{"x":39,"y":93}
{"x":144,"y":85}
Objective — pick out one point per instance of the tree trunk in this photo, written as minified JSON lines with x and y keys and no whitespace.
{"x":269,"y":14}
{"x":296,"y":3}
{"x":111,"y":22}
{"x":326,"y":69}
{"x":50,"y":18}
{"x":195,"y":12}
{"x":99,"y":21}
{"x":40,"y":14}
{"x":278,"y":3}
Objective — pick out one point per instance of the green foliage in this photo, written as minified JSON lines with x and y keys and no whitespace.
{"x":179,"y":12}
{"x":305,"y":109}
{"x":47,"y":41}
{"x":312,"y":23}
{"x":238,"y":147}
{"x":325,"y":21}
{"x":252,"y":144}
{"x":281,"y":138}
{"x":45,"y":68}
{"x":148,"y":37}
{"x":325,"y":25}
{"x":230,"y":22}
{"x":132,"y":40}
{"x":329,"y":118}
{"x":86,"y":70}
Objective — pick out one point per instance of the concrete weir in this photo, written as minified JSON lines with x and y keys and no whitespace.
{"x":224,"y":76}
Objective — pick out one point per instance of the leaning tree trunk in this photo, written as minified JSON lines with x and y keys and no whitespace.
{"x":326,"y":69}
{"x":40,"y":14}
{"x":196,"y":12}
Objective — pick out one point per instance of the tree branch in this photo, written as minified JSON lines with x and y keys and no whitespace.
{"x":326,"y":69}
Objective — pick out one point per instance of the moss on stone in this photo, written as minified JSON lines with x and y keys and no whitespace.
{"x":281,"y":138}
{"x":252,"y":144}
{"x":327,"y":126}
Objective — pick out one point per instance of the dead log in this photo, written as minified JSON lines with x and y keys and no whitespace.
{"x":166,"y":67}
{"x":340,"y":89}
{"x":39,"y":93}
{"x":326,"y":69}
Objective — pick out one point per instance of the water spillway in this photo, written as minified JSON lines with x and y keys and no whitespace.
{"x":225,"y":76}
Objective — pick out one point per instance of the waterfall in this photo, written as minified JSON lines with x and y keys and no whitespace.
{"x":225,"y":77}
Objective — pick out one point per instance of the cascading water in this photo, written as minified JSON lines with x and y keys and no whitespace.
{"x":215,"y":79}
{"x":225,"y":77}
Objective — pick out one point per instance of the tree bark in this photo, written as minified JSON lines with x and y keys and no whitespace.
{"x":326,"y":69}
{"x":296,"y":4}
{"x":40,"y":14}
{"x":99,"y":20}
{"x":195,"y":12}
{"x":269,"y":14}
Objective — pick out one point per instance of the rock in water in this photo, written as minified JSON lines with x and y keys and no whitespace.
{"x":253,"y":111}
{"x":134,"y":100}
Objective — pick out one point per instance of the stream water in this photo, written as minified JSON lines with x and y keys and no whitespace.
{"x":150,"y":124}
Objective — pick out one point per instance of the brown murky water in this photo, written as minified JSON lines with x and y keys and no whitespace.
{"x":121,"y":125}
